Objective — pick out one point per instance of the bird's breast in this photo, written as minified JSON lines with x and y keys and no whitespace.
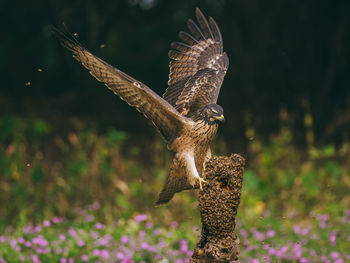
{"x":203,"y":133}
{"x":198,"y":136}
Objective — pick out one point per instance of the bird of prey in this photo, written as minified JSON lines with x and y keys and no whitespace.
{"x":187,"y":116}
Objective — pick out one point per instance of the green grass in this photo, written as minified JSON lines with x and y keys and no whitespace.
{"x":47,"y":174}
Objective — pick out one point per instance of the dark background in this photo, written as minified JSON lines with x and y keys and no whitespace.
{"x":288,"y":59}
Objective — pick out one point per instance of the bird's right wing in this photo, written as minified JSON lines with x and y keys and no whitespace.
{"x":197,"y":68}
{"x":163,"y":115}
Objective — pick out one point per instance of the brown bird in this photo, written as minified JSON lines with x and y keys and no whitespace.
{"x":187,"y":116}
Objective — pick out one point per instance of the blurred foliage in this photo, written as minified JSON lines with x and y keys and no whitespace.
{"x":44,"y":174}
{"x":291,"y":54}
{"x":282,"y":178}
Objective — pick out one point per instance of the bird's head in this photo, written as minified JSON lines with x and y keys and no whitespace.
{"x":213,"y":113}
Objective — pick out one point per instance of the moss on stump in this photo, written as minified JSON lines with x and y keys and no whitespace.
{"x":218,"y":204}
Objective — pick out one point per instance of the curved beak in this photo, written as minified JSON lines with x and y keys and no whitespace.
{"x":220,"y":118}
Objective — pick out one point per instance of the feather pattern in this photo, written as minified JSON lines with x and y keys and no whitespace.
{"x":197,"y":67}
{"x":163,"y":115}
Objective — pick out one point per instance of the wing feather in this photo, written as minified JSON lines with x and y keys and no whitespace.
{"x":197,"y":66}
{"x":163,"y":115}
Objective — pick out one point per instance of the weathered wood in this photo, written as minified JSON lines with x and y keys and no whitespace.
{"x":218,"y":204}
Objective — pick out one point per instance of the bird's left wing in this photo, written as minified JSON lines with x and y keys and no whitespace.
{"x":160,"y":112}
{"x":197,"y":68}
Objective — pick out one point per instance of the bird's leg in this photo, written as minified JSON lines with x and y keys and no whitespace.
{"x":201,"y":180}
{"x":193,"y":175}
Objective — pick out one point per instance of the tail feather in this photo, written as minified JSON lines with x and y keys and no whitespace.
{"x":173,"y":185}
{"x":176,"y":182}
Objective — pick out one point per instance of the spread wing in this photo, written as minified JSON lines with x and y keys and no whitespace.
{"x":169,"y":122}
{"x":197,"y":68}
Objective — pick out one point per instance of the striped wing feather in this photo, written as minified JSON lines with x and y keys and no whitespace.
{"x":163,"y":115}
{"x":197,"y":68}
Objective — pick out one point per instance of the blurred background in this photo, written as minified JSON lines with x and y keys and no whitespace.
{"x":66,"y":141}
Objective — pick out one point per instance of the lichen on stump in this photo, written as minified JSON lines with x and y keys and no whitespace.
{"x":218,"y":204}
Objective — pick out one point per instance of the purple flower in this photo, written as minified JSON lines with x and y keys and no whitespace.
{"x":46,"y":250}
{"x":18,"y":248}
{"x":71,"y":260}
{"x":339,"y":260}
{"x":270,"y":233}
{"x":157,"y":257}
{"x":84,"y":258}
{"x":21,"y":240}
{"x":157,"y":231}
{"x":124,"y":239}
{"x":333,"y":238}
{"x":89,"y":218}
{"x":105,"y":253}
{"x":272,"y":251}
{"x":62,"y":237}
{"x":334,"y":254}
{"x":162,"y":243}
{"x":296,"y":229}
{"x":313,"y":253}
{"x":189,"y":253}
{"x":312,"y":214}
{"x":255,"y":260}
{"x":144,"y":245}
{"x":72,"y":232}
{"x":303,"y":260}
{"x":120,"y":255}
{"x":35,"y":259}
{"x":297,"y":250}
{"x":13,"y":242}
{"x":249,"y":248}
{"x":95,"y":235}
{"x":63,"y":260}
{"x":56,"y":220}
{"x":10,"y":229}
{"x":304,"y":231}
{"x":99,"y":226}
{"x":58,"y":250}
{"x":27,"y":244}
{"x":322,"y":217}
{"x":142,"y":233}
{"x":81,"y":243}
{"x":280,"y":253}
{"x":2,"y":239}
{"x":47,"y":223}
{"x":37,"y":228}
{"x":148,"y":225}
{"x":243,"y":233}
{"x":174,"y":224}
{"x":40,"y":240}
{"x":260,"y":236}
{"x":322,"y":224}
{"x":96,"y":252}
{"x":183,"y":245}
{"x":140,"y":218}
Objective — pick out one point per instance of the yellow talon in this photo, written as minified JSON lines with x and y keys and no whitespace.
{"x":201,"y":180}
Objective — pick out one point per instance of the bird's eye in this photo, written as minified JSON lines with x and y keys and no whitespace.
{"x":215,"y":111}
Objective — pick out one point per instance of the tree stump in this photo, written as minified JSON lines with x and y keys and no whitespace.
{"x":218,"y":204}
